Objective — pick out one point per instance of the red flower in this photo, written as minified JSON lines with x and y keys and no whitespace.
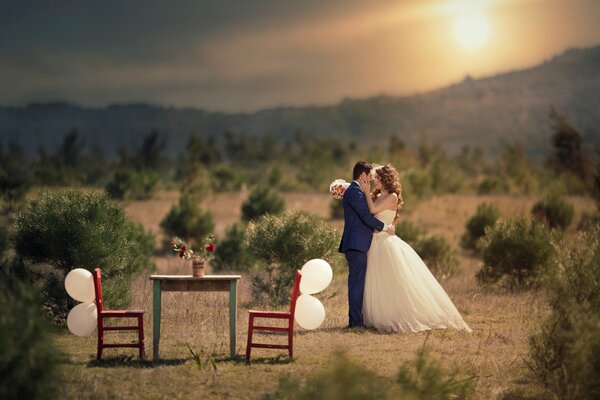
{"x":171,"y":243}
{"x":210,"y":247}
{"x":181,"y":252}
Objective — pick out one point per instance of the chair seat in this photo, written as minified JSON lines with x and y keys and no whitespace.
{"x":270,"y":314}
{"x":121,"y":313}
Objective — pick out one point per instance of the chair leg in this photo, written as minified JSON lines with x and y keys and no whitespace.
{"x":141,"y":336}
{"x":291,"y":339}
{"x":249,"y":341}
{"x":100,"y":340}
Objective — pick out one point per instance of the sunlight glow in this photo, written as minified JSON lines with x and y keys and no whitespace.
{"x":471,"y":29}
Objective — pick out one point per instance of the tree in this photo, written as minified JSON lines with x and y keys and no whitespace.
{"x":569,"y":151}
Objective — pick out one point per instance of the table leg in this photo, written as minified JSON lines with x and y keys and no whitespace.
{"x":156,"y":319}
{"x":232,"y":316}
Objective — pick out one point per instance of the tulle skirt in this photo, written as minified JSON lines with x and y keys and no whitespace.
{"x":401,"y":295}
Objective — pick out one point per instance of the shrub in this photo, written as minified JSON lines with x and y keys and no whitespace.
{"x":188,"y":221}
{"x":130,"y":185}
{"x":408,"y":232}
{"x":518,"y":251}
{"x":70,"y":229}
{"x":438,"y":255}
{"x":231,"y":253}
{"x":554,"y":211}
{"x":336,"y":209}
{"x":346,"y":379}
{"x":493,"y":184}
{"x":262,"y":200}
{"x":434,"y":250}
{"x":28,"y":358}
{"x":283,"y":243}
{"x":485,"y":216}
{"x":3,"y":240}
{"x":565,"y":354}
{"x":225,"y":178}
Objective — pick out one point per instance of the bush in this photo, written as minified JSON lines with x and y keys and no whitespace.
{"x":225,"y":179}
{"x":565,"y":354}
{"x":4,"y":241}
{"x":518,"y":251}
{"x":262,"y":200}
{"x":438,"y":255}
{"x":231,"y":254}
{"x":346,"y":379}
{"x":336,"y":209}
{"x":71,"y":229}
{"x":188,"y":221}
{"x":28,"y":358}
{"x":408,"y":232}
{"x":554,"y":211}
{"x":493,"y":184}
{"x":485,"y":217}
{"x":130,"y":185}
{"x":434,"y":250}
{"x":284,"y":243}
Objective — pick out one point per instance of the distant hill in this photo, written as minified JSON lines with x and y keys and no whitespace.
{"x":486,"y":112}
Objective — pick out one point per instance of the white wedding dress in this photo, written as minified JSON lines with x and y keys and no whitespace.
{"x":401,"y":294}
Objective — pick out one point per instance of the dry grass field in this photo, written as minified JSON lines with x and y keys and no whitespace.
{"x":495,"y":353}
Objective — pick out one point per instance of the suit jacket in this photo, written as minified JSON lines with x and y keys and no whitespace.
{"x":359,"y":224}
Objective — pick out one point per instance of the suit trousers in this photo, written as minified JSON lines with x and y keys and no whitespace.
{"x":357,"y":269}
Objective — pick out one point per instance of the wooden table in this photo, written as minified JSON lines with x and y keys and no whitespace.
{"x":188,"y":283}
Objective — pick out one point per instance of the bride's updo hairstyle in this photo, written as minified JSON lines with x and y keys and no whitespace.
{"x":388,"y":176}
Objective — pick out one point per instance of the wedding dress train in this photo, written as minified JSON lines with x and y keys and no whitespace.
{"x":401,"y":294}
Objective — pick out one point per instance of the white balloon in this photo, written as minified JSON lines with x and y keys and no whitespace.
{"x":83,"y":319}
{"x":310,"y":313}
{"x":316,"y":276}
{"x":80,"y":285}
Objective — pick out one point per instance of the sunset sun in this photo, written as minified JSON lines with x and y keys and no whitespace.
{"x":471,"y":29}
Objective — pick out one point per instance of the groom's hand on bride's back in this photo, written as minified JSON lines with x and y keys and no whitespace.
{"x":391,"y":229}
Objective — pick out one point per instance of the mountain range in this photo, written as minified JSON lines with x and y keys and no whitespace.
{"x":486,"y":112}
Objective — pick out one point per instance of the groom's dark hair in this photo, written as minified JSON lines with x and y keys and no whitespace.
{"x":360,"y":167}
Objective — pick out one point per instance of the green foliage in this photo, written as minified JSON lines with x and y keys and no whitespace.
{"x":188,"y":221}
{"x":201,"y":360}
{"x":15,"y":177}
{"x":485,"y":217}
{"x":565,"y":353}
{"x":231,"y":254}
{"x":4,"y":240}
{"x":28,"y":358}
{"x":408,"y":232}
{"x":262,"y":200}
{"x":284,"y":243}
{"x":347,"y":379}
{"x":434,"y":250}
{"x":517,"y":170}
{"x":517,"y":251}
{"x":128,"y":184}
{"x":225,"y":178}
{"x":569,"y":151}
{"x":554,"y":211}
{"x":438,"y":255}
{"x":429,"y":381}
{"x":336,"y":209}
{"x":493,"y":184}
{"x":63,"y":230}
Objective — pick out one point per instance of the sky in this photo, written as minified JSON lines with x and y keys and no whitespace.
{"x":247,"y":55}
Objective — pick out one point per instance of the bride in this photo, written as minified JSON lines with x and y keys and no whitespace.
{"x":400,"y":294}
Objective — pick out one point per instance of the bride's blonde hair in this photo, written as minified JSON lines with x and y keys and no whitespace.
{"x":388,"y":176}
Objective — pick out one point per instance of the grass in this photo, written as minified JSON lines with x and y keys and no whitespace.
{"x":495,"y":352}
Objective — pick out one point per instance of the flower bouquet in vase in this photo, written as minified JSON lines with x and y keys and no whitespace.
{"x":198,"y":258}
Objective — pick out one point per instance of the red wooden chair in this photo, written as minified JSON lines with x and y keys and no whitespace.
{"x":105,"y":314}
{"x":287,"y":315}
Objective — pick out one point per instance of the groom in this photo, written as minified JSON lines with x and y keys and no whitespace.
{"x":359,"y":225}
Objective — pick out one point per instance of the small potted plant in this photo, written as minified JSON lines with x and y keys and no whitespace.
{"x":198,"y":257}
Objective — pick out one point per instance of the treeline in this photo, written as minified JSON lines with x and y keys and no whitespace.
{"x":301,"y":163}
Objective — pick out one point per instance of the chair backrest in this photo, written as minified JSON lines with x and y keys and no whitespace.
{"x":295,"y":292}
{"x":97,"y":275}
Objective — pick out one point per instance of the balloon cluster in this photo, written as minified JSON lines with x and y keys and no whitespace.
{"x":83,"y":318}
{"x":316,"y":276}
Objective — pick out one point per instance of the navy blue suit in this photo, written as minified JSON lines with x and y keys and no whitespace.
{"x":359,"y":225}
